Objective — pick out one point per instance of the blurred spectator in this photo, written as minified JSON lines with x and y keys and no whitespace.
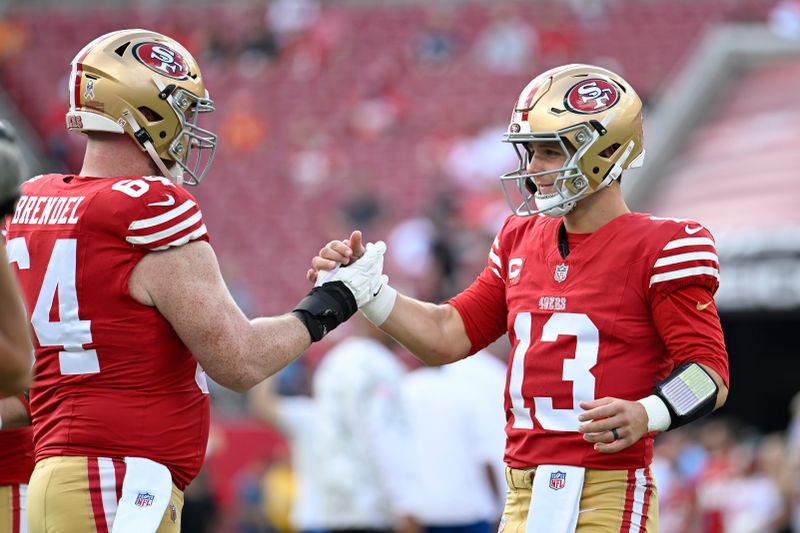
{"x":290,"y":18}
{"x":508,"y":45}
{"x":278,"y":487}
{"x":199,"y":514}
{"x":258,"y":46}
{"x":429,"y":249}
{"x":456,"y":418}
{"x":251,"y":498}
{"x":314,"y":164}
{"x":734,"y":494}
{"x":436,"y":43}
{"x":378,"y":104}
{"x":243,"y":128}
{"x":476,"y":160}
{"x":717,"y":437}
{"x":367,"y":474}
{"x":558,"y":35}
{"x":674,"y":487}
{"x":13,"y":38}
{"x":322,"y":43}
{"x":784,"y":19}
{"x":361,"y":208}
{"x":592,"y":14}
{"x":793,"y":454}
{"x":297,"y":417}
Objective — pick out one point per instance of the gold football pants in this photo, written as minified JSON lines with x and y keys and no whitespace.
{"x":612,"y":501}
{"x":80,"y":495}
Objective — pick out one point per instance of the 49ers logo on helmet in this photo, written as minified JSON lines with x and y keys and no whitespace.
{"x":162,"y":59}
{"x":591,"y":96}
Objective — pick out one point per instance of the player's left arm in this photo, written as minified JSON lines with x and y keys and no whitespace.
{"x":682,"y":284}
{"x":688,"y":323}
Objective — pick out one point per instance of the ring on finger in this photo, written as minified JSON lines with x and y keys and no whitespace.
{"x":615,"y":433}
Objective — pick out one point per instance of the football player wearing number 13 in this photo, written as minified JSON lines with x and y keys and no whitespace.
{"x":126,"y":301}
{"x":611,"y":316}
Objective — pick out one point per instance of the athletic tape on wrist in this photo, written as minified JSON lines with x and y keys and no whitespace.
{"x":658,"y":418}
{"x":379,"y":308}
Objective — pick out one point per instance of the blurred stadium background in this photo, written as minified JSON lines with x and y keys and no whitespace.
{"x":386,"y":116}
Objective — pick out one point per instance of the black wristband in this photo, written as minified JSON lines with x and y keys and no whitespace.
{"x":7,"y":206}
{"x":325,"y":307}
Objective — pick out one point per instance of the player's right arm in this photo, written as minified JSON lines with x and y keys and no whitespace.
{"x":235,"y":351}
{"x":435,"y":333}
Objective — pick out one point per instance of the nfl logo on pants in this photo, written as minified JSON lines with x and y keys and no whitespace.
{"x":146,"y":500}
{"x":558,"y":480}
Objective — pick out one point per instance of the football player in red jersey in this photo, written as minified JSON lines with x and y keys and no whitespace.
{"x":611,"y":314}
{"x":16,"y":437}
{"x":15,"y":343}
{"x":126,"y":300}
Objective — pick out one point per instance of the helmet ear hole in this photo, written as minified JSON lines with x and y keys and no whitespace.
{"x":150,"y":115}
{"x":608,"y":152}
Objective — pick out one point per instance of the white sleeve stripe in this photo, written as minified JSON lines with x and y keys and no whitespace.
{"x":164,"y":217}
{"x":684,"y":273}
{"x":199,"y":232}
{"x":697,"y":241}
{"x":686,"y":258}
{"x":496,"y":273}
{"x":172,"y":230}
{"x":496,"y":243}
{"x":494,"y":258}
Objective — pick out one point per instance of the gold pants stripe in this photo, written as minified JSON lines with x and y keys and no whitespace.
{"x":12,"y":508}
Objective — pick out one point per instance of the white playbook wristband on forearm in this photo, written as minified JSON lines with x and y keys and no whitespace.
{"x":379,"y":308}
{"x":658,"y":418}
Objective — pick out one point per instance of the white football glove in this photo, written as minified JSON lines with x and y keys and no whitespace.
{"x":364,"y":277}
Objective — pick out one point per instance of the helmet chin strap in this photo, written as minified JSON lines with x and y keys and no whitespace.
{"x":549,"y":205}
{"x":144,"y":139}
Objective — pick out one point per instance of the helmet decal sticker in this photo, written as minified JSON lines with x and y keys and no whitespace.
{"x":591,"y":96}
{"x":161,"y":58}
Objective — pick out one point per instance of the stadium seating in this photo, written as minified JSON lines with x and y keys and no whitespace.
{"x":304,"y":101}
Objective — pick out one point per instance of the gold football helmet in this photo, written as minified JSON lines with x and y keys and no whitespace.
{"x":596,"y":119}
{"x":148,"y":86}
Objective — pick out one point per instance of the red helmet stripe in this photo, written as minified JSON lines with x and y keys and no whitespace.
{"x":77,"y":67}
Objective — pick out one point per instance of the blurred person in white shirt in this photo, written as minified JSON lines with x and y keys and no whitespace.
{"x":297,"y":418}
{"x":456,"y":418}
{"x":365,"y":473}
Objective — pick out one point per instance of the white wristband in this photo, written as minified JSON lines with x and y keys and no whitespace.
{"x":1,"y":422}
{"x":379,"y":308}
{"x":658,"y":418}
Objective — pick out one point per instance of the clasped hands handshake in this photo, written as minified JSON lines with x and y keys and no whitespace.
{"x":360,"y":269}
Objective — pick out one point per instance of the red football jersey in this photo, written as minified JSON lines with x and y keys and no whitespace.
{"x":581,"y":328}
{"x":16,"y":455}
{"x":112,"y":378}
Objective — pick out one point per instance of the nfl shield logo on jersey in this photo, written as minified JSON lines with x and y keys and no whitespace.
{"x":146,"y":500}
{"x":558,"y":480}
{"x":561,"y":273}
